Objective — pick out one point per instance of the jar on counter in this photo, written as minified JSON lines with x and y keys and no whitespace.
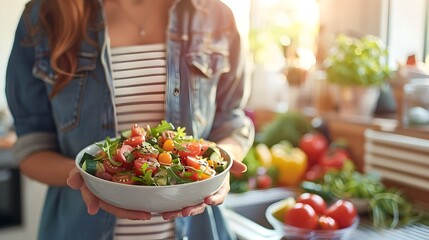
{"x":416,"y":104}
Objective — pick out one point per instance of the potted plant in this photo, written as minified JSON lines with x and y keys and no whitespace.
{"x":359,"y":67}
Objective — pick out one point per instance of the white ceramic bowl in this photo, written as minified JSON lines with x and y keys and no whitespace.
{"x":291,"y":232}
{"x":155,"y":199}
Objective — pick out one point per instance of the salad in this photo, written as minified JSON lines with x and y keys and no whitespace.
{"x":157,"y":156}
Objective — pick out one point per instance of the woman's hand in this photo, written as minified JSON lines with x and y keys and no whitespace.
{"x":93,"y":203}
{"x":213,"y":200}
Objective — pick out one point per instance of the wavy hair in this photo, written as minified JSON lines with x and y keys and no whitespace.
{"x":66,"y":23}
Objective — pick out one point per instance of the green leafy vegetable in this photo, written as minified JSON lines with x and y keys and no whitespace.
{"x":109,"y":146}
{"x":163,"y":126}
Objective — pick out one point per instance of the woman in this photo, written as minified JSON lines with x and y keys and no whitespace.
{"x":82,"y":70}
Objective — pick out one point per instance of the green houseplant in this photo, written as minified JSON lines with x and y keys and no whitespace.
{"x":357,"y":62}
{"x":358,"y":66}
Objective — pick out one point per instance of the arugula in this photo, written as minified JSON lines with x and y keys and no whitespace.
{"x":109,"y":147}
{"x":163,"y":126}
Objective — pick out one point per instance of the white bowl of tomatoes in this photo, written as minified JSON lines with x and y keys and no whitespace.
{"x":155,"y":170}
{"x":308,"y":216}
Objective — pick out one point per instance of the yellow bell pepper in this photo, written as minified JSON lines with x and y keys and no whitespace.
{"x":291,"y":163}
{"x":263,"y":154}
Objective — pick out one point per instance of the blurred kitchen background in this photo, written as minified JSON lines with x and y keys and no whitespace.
{"x":291,"y":44}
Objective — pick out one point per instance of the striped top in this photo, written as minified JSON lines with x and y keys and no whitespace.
{"x":139,"y":77}
{"x":139,"y":74}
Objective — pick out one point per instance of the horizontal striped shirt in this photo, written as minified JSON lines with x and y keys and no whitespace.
{"x":139,"y":77}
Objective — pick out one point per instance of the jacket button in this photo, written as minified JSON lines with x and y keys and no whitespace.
{"x":176,"y":92}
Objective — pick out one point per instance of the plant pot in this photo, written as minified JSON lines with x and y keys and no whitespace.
{"x":355,"y":101}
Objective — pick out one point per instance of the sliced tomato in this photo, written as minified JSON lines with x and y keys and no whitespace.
{"x":123,"y":152}
{"x":153,"y":165}
{"x":193,"y":174}
{"x":204,"y":146}
{"x":134,"y":141}
{"x":125,"y":177}
{"x":196,"y":176}
{"x":138,"y":154}
{"x":136,"y":130}
{"x":104,"y":175}
{"x":192,"y":161}
{"x":112,"y":169}
{"x":191,"y":149}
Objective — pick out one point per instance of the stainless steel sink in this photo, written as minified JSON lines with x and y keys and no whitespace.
{"x":246,"y":212}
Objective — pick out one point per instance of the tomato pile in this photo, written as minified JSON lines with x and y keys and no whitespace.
{"x":156,"y":156}
{"x":310,"y":211}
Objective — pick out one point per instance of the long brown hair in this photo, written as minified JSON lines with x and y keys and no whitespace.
{"x":66,"y":23}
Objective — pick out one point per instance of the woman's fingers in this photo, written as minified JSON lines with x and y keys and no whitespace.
{"x":124,"y":213}
{"x":188,"y":211}
{"x":238,"y":167}
{"x":194,"y":210}
{"x":75,"y":181}
{"x":171,"y":215}
{"x":93,"y":203}
{"x":219,"y":197}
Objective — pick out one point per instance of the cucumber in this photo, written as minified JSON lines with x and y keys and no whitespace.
{"x":125,"y":134}
{"x":212,"y":153}
{"x":220,"y":166}
{"x":208,"y":152}
{"x":85,"y":157}
{"x":90,"y":166}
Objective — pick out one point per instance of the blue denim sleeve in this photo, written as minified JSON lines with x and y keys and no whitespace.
{"x":27,"y":96}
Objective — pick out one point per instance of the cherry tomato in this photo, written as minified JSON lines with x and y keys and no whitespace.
{"x":192,"y":149}
{"x":168,"y":145}
{"x":134,"y":141}
{"x":314,"y":145}
{"x":138,"y":154}
{"x":334,"y":158}
{"x":104,"y":175}
{"x":152,"y":163}
{"x":110,"y":168}
{"x":204,"y":146}
{"x":314,"y":200}
{"x":344,"y":213}
{"x":124,"y":177}
{"x":136,"y":130}
{"x":264,"y":181}
{"x":301,"y":215}
{"x":123,"y":152}
{"x":314,"y":173}
{"x":165,"y":158}
{"x":327,"y":223}
{"x":196,"y":176}
{"x":193,"y":162}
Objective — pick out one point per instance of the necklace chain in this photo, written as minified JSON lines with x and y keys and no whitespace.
{"x":139,"y":26}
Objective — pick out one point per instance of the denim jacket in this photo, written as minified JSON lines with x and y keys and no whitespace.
{"x":204,"y":63}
